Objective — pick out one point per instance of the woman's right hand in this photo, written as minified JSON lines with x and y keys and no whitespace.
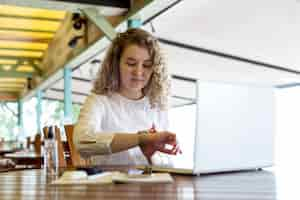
{"x":150,"y":143}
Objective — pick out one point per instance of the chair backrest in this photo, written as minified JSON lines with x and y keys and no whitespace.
{"x":37,"y":143}
{"x":76,"y":159}
{"x":34,"y":144}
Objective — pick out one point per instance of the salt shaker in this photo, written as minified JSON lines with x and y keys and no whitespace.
{"x":50,"y":153}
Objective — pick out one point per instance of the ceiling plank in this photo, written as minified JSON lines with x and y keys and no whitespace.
{"x":29,"y":18}
{"x":27,"y":24}
{"x":20,"y":49}
{"x":5,"y":89}
{"x":24,"y":39}
{"x":21,"y":60}
{"x":21,"y":53}
{"x":64,"y":6}
{"x":8,"y":61}
{"x":111,"y":3}
{"x":34,"y":36}
{"x":11,"y":85}
{"x":6,"y":74}
{"x":28,"y":29}
{"x":27,"y":12}
{"x":23,"y":45}
{"x":4,"y":96}
{"x":13,"y":80}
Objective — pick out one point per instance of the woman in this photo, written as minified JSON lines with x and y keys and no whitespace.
{"x":129,"y":98}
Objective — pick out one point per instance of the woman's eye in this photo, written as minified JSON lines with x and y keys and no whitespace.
{"x":131,"y":64}
{"x":147,"y":66}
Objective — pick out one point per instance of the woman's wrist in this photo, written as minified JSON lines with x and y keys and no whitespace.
{"x":142,"y":137}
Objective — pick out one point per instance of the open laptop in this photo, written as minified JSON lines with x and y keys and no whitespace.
{"x":229,"y":128}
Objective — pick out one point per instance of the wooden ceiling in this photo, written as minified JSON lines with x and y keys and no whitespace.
{"x":35,"y":38}
{"x":24,"y":37}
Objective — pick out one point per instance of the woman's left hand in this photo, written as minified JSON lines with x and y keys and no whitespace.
{"x":150,"y":143}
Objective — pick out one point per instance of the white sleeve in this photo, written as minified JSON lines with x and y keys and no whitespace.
{"x":88,"y":136}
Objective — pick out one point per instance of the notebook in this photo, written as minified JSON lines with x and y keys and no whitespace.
{"x":81,"y":177}
{"x":229,"y":128}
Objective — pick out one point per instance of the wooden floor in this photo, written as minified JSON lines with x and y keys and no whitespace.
{"x":251,"y":185}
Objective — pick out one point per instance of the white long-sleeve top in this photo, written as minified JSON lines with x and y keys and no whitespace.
{"x":102,"y":116}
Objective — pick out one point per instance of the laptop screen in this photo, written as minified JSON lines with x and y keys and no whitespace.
{"x":182,"y":122}
{"x":234,"y":129}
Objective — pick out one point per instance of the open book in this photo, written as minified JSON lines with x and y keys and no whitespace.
{"x":81,"y":177}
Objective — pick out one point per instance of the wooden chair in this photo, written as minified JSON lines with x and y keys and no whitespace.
{"x":34,"y":145}
{"x":76,"y":159}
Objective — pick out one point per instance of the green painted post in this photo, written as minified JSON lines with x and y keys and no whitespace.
{"x":38,"y":110}
{"x":20,"y":119}
{"x":67,"y":95}
{"x":134,"y":23}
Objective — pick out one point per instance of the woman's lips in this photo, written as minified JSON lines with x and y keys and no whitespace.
{"x":137,"y":80}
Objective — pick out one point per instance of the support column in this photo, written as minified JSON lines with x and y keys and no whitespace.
{"x":20,"y":118}
{"x":38,"y":110}
{"x":68,"y":116}
{"x":134,"y":23}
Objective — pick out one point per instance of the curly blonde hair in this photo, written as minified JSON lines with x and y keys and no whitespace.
{"x":108,"y":77}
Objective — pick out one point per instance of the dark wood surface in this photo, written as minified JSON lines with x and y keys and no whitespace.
{"x":26,"y":158}
{"x":32,"y":184}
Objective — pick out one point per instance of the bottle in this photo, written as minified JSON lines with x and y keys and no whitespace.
{"x":50,"y":153}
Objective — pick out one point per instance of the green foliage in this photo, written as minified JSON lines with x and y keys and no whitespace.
{"x":52,"y":113}
{"x":8,"y":120}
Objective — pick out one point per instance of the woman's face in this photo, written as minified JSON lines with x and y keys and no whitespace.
{"x":135,"y":70}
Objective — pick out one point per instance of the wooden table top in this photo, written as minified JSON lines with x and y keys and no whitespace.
{"x":6,"y":150}
{"x":23,"y":154}
{"x":32,"y":184}
{"x":26,"y":159}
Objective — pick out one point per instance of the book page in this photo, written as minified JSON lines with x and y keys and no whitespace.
{"x":142,"y":178}
{"x":81,"y":177}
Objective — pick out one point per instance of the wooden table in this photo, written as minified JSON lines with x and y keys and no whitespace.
{"x":6,"y":150}
{"x":32,"y":185}
{"x":8,"y":147}
{"x":26,"y":158}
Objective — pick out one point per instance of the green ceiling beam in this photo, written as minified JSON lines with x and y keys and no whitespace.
{"x":59,"y":5}
{"x":37,"y":69}
{"x":101,"y":22}
{"x":68,"y":115}
{"x":45,"y":84}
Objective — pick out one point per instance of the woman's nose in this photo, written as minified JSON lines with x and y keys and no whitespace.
{"x":139,"y":70}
